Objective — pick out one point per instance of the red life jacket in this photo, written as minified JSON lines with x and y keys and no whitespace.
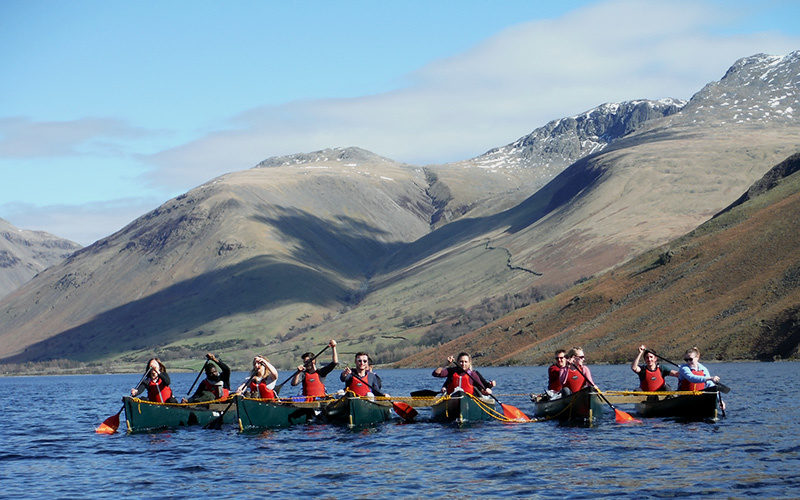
{"x":553,"y":376}
{"x":575,"y":380}
{"x":685,"y":385}
{"x":359,"y":387}
{"x":312,"y":385}
{"x":264,"y":392}
{"x":652,"y":381}
{"x":157,"y":391}
{"x":464,"y":381}
{"x":219,"y":391}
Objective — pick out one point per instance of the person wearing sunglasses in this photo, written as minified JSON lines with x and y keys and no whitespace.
{"x":354,"y":380}
{"x":693,"y":376}
{"x":652,"y":376}
{"x":554,"y":384}
{"x":575,"y":375}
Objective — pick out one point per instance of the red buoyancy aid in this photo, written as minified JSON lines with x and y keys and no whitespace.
{"x":464,"y":381}
{"x":157,"y":391}
{"x":312,"y":385}
{"x":652,"y":381}
{"x":554,"y":380}
{"x":264,"y":392}
{"x":219,"y":391}
{"x":359,"y":387}
{"x":575,"y":380}
{"x":685,"y":385}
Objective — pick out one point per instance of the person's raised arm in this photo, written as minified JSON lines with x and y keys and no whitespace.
{"x":334,"y":353}
{"x":635,"y":364}
{"x":298,"y":376}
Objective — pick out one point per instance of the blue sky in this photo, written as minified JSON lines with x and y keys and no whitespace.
{"x":109,"y":108}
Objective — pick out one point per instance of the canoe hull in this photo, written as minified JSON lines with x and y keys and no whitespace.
{"x":460,"y":409}
{"x":259,"y":414}
{"x":583,"y":407}
{"x":146,"y":416}
{"x":356,"y":412}
{"x":701,"y":406}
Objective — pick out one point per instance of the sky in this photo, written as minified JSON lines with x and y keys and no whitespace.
{"x":110,"y":108}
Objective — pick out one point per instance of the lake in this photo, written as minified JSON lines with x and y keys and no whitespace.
{"x":48,"y":447}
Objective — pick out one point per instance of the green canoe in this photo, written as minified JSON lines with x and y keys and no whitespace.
{"x":583,"y":407}
{"x":355,"y":411}
{"x":701,"y":406}
{"x":256,"y":414}
{"x":143,"y":416}
{"x":461,"y":408}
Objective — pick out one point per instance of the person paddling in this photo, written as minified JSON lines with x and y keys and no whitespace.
{"x":575,"y":375}
{"x":156,"y":383}
{"x":261,"y":383}
{"x":652,"y":376}
{"x":693,"y":376}
{"x":362,"y":380}
{"x":311,"y":378}
{"x":463,"y":377}
{"x":216,"y":385}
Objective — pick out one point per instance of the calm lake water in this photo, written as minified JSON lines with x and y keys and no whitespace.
{"x":48,"y":447}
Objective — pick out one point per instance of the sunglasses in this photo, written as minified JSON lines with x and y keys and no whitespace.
{"x":581,"y":357}
{"x":561,"y":357}
{"x":688,"y":360}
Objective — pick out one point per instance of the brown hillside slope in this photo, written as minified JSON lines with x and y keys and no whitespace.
{"x":731,"y":287}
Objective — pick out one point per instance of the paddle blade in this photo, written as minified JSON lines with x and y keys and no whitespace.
{"x":109,"y":425}
{"x":215,"y":424}
{"x":723,"y":388}
{"x":514,"y":413}
{"x":406,"y":412}
{"x":623,"y":418}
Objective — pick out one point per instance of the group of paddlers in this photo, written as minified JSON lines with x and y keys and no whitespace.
{"x":262,"y":380}
{"x":568,"y":374}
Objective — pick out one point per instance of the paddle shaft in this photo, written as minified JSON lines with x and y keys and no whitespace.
{"x":217,"y":422}
{"x":722,"y":387}
{"x":278,"y":387}
{"x":197,"y":378}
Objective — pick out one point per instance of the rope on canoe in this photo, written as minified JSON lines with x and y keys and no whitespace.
{"x":653,"y":393}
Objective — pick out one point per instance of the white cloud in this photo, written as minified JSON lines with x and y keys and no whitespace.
{"x":500,"y":90}
{"x":24,"y":138}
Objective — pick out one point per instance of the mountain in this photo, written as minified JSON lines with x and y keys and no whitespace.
{"x":394,"y":258}
{"x":24,"y":253}
{"x":731,"y":287}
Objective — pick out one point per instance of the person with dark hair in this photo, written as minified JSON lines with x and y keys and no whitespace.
{"x":216,"y":385}
{"x":311,"y":378}
{"x":156,"y":383}
{"x":354,"y":380}
{"x":652,"y":376}
{"x":463,"y":377}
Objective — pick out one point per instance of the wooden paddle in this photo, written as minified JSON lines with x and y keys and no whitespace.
{"x":278,"y":387}
{"x":722,"y":387}
{"x":406,"y":412}
{"x":197,"y":378}
{"x":111,"y":424}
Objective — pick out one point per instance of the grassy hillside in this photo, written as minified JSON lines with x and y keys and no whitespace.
{"x":731,"y":287}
